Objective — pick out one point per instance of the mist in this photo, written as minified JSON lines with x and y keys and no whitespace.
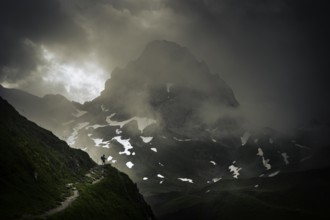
{"x":272,"y":54}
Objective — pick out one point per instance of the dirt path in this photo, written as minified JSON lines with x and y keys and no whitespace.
{"x":68,"y":200}
{"x":65,"y":204}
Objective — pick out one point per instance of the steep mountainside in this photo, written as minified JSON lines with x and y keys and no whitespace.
{"x":38,"y":171}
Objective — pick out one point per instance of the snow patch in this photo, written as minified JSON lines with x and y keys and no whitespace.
{"x":302,"y":146}
{"x":215,"y":141}
{"x":96,"y":126}
{"x":145,"y":178}
{"x":216,"y":179}
{"x":116,"y":123}
{"x":245,"y":138}
{"x":118,"y":131}
{"x":235,"y":170}
{"x":177,"y":139}
{"x":109,"y":158}
{"x":186,"y":180}
{"x":100,"y":143}
{"x":160,"y":176}
{"x":79,"y":113}
{"x":160,"y":164}
{"x":306,"y":158}
{"x":129,"y":164}
{"x":68,"y":122}
{"x":104,"y":109}
{"x":154,"y":149}
{"x":146,"y":139}
{"x":285,"y":158}
{"x":142,"y":122}
{"x":274,"y":174}
{"x":125,"y":143}
{"x":213,"y":162}
{"x":265,"y":162}
{"x":71,"y":140}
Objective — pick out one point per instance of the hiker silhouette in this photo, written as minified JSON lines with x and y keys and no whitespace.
{"x":103,"y":159}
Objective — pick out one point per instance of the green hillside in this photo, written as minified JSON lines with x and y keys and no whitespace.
{"x":36,"y":170}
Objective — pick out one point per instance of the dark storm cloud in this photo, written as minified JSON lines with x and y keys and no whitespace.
{"x":24,"y":27}
{"x":273,"y":54}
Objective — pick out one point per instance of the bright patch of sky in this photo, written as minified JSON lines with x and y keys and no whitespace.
{"x":76,"y":78}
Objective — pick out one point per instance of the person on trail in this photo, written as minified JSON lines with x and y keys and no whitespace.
{"x":103,"y":159}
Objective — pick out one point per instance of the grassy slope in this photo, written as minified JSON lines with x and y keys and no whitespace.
{"x":27,"y":149}
{"x":114,"y":197}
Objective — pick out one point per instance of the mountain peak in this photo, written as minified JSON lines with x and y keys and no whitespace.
{"x":164,"y":48}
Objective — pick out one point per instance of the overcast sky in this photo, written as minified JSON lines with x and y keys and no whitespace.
{"x":274,"y":54}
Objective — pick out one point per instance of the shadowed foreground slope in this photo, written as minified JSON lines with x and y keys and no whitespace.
{"x":38,"y":171}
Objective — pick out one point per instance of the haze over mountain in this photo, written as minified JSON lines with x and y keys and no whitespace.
{"x":165,"y":117}
{"x":214,"y":109}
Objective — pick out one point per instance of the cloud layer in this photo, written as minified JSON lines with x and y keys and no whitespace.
{"x":272,"y":53}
